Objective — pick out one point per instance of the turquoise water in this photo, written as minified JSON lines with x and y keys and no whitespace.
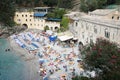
{"x":11,"y":66}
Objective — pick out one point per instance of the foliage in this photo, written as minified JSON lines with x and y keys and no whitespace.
{"x":87,"y":5}
{"x":57,"y":13}
{"x":65,"y":4}
{"x":7,"y":9}
{"x":58,"y":3}
{"x":50,"y":3}
{"x":29,"y":3}
{"x":103,"y":57}
{"x":46,"y":28}
{"x":64,"y":23}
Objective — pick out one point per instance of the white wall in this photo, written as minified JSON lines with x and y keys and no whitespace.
{"x":85,"y":31}
{"x":33,"y":22}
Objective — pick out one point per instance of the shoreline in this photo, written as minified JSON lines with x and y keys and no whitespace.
{"x":30,"y":61}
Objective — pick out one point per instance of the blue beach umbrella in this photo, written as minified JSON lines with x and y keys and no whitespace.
{"x":46,"y":78}
{"x":41,"y":61}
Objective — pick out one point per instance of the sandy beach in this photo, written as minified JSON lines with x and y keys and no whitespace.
{"x":44,"y":57}
{"x":31,"y":61}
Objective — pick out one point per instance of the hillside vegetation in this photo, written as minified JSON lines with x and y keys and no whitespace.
{"x":90,"y":5}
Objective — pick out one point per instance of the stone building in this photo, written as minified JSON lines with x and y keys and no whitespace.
{"x":103,"y":23}
{"x":36,"y":18}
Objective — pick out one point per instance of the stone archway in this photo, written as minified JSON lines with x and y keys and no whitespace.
{"x":80,"y":46}
{"x":56,"y":28}
{"x":24,"y":26}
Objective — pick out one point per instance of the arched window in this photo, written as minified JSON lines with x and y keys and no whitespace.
{"x":107,"y":33}
{"x":118,"y":18}
{"x":95,"y":29}
{"x":112,"y":17}
{"x":24,"y":26}
{"x":56,"y":28}
{"x":76,"y":24}
{"x":83,"y":35}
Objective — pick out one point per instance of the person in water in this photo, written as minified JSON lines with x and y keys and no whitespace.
{"x":7,"y":50}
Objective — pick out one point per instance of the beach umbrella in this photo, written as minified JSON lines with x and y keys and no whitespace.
{"x":41,"y":61}
{"x":46,"y":78}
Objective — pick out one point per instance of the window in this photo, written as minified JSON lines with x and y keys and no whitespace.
{"x":76,"y":24}
{"x":30,"y":19}
{"x":26,"y":15}
{"x":112,"y":17}
{"x":22,"y":15}
{"x":30,"y":15}
{"x":107,"y":34}
{"x":95,"y":29}
{"x":118,"y":18}
{"x":26,"y":19}
{"x":17,"y":15}
{"x":31,"y":24}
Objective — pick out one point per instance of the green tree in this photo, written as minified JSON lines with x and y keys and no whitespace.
{"x":64,"y":23}
{"x":7,"y":10}
{"x":91,"y":5}
{"x":104,"y":58}
{"x":65,"y":4}
{"x":57,"y":13}
{"x":46,"y":28}
{"x":50,"y":3}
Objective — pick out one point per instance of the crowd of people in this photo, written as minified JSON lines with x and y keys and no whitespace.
{"x":55,"y":61}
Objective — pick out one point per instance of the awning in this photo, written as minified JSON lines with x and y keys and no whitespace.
{"x":53,"y":19}
{"x":65,"y":37}
{"x":39,"y":14}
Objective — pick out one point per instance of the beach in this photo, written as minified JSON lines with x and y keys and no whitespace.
{"x":31,"y":61}
{"x":44,"y":58}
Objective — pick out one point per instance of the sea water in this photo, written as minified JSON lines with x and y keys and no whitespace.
{"x":11,"y":65}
